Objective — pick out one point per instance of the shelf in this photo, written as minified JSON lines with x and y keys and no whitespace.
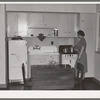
{"x":40,"y":28}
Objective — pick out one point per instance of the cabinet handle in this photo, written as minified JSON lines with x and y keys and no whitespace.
{"x":13,"y":54}
{"x":45,"y":24}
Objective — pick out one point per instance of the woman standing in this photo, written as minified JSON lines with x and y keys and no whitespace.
{"x":80,"y":47}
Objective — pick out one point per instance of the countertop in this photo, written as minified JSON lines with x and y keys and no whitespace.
{"x":50,"y":53}
{"x":69,"y":53}
{"x":74,"y":52}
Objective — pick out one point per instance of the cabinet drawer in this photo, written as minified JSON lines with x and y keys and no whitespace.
{"x":66,"y":62}
{"x":69,"y":59}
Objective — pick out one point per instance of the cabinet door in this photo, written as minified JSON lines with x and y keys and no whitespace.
{"x":12,"y":24}
{"x":65,"y":59}
{"x":51,"y":20}
{"x":71,"y":25}
{"x":67,"y":25}
{"x":22,"y":24}
{"x":35,"y":19}
{"x":73,"y":60}
{"x":53,"y":59}
{"x":62,"y":25}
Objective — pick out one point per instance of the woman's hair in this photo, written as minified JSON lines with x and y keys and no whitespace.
{"x":80,"y":32}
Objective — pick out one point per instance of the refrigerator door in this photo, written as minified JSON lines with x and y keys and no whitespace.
{"x":17,"y":56}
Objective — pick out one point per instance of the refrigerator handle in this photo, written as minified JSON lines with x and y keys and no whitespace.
{"x":13,"y":54}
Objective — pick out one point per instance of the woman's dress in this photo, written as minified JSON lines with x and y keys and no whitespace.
{"x":83,"y":58}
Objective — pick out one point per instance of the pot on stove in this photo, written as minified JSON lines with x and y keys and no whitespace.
{"x":65,"y":50}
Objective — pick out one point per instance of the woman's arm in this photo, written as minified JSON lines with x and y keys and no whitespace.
{"x":82,"y":49}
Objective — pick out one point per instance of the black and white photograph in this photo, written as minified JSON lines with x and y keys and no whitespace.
{"x":52,"y":46}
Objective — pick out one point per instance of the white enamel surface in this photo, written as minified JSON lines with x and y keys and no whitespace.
{"x":69,"y":59}
{"x":17,"y":56}
{"x":42,"y":50}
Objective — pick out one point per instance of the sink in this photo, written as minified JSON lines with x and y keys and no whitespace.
{"x":42,"y":50}
{"x":48,"y":49}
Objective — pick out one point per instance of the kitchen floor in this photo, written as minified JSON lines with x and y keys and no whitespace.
{"x":88,"y":84}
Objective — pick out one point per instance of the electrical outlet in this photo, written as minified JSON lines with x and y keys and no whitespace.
{"x":52,"y":42}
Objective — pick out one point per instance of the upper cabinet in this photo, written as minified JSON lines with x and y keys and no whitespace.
{"x":42,"y":20}
{"x":71,"y":25}
{"x":44,"y":23}
{"x":67,"y":25}
{"x":49,"y":24}
{"x":62,"y":25}
{"x":12,"y":24}
{"x":22,"y":24}
{"x":35,"y":20}
{"x":16,"y":24}
{"x":51,"y":20}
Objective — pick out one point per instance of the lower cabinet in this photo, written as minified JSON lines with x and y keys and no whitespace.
{"x":69,"y":59}
{"x":42,"y":60}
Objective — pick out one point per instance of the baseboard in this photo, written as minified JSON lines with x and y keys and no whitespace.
{"x":89,"y":78}
{"x":97,"y":81}
{"x":3,"y":86}
{"x":93,"y":79}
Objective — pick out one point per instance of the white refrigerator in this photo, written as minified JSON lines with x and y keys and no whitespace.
{"x":17,"y":56}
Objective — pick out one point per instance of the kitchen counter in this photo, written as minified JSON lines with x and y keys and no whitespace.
{"x":50,"y":53}
{"x":70,"y":53}
{"x":46,"y":53}
{"x":43,"y":58}
{"x":46,"y":58}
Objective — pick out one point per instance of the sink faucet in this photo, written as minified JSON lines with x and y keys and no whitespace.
{"x":36,"y":47}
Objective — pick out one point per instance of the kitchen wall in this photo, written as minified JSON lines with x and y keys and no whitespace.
{"x":97,"y":66}
{"x":88,"y":25}
{"x":97,"y":56}
{"x":2,"y":47}
{"x":47,"y":41}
